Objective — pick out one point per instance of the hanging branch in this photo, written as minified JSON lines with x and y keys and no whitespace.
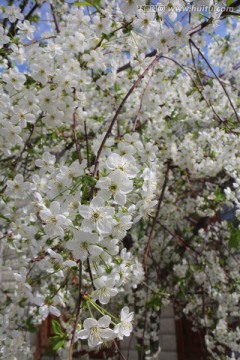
{"x":78,"y":308}
{"x":117,"y":350}
{"x":78,"y":150}
{"x":55,"y":18}
{"x":148,"y":247}
{"x":119,"y":110}
{"x":221,"y":121}
{"x":141,"y":103}
{"x":179,"y":240}
{"x":216,"y":76}
{"x":87,"y":143}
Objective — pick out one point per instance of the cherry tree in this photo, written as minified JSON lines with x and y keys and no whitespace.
{"x":120,"y":160}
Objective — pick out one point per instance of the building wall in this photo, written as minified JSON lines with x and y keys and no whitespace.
{"x":167,"y":339}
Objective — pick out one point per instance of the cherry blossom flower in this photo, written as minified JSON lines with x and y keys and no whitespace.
{"x":83,"y":245}
{"x":104,"y":289}
{"x":124,"y":163}
{"x":117,"y":185}
{"x":54,"y":221}
{"x":96,"y":331}
{"x":124,"y":328}
{"x":12,"y":13}
{"x":97,"y":216}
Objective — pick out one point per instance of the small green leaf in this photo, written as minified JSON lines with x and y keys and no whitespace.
{"x":57,"y":342}
{"x":56,"y":328}
{"x":234,"y":240}
{"x":93,"y":3}
{"x":82,"y":3}
{"x":219,"y":196}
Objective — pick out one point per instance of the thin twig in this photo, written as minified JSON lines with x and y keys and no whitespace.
{"x":79,"y":301}
{"x":221,"y":121}
{"x":118,"y":350}
{"x":16,"y":161}
{"x":148,"y":247}
{"x":216,"y":76}
{"x":87,"y":143}
{"x":55,"y":18}
{"x":39,"y":40}
{"x":90,"y":273}
{"x":179,"y":240}
{"x":78,"y":150}
{"x":118,"y":112}
{"x":141,"y":103}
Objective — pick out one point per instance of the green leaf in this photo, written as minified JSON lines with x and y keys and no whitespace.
{"x":82,"y":3}
{"x":56,"y":327}
{"x":57,"y":342}
{"x":219,"y":196}
{"x":30,"y":326}
{"x":93,"y":3}
{"x":229,"y":2}
{"x":234,"y":240}
{"x":154,"y":302}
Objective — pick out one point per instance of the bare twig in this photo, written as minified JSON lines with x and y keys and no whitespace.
{"x":141,"y":103}
{"x":39,"y":40}
{"x":118,"y":350}
{"x":27,"y":143}
{"x":87,"y":143}
{"x":118,"y":112}
{"x":221,"y":121}
{"x":55,"y":18}
{"x":148,"y":247}
{"x":179,"y":240}
{"x":216,"y":76}
{"x":90,"y":273}
{"x":78,"y":150}
{"x":78,"y":307}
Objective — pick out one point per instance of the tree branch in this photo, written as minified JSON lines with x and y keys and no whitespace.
{"x":148,"y":247}
{"x":119,"y":110}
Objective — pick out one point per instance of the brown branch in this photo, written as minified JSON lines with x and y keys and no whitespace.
{"x":221,"y":121}
{"x":179,"y":240}
{"x":16,"y":161}
{"x":141,"y":103}
{"x":55,"y":18}
{"x":119,"y":110}
{"x":148,"y":247}
{"x":218,"y":79}
{"x":90,"y":273}
{"x":87,"y":143}
{"x":78,"y":150}
{"x":117,"y":350}
{"x":211,"y":77}
{"x":39,"y":40}
{"x":78,"y":308}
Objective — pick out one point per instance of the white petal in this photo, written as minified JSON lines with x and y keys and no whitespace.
{"x":104,"y":321}
{"x":120,"y":198}
{"x":89,"y":323}
{"x":55,"y":207}
{"x":98,"y":201}
{"x":69,"y":263}
{"x":84,"y":211}
{"x":107,"y":334}
{"x":54,"y":311}
{"x":43,"y":310}
{"x":104,"y":226}
{"x":172,"y":15}
{"x":72,"y":245}
{"x":83,"y":334}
